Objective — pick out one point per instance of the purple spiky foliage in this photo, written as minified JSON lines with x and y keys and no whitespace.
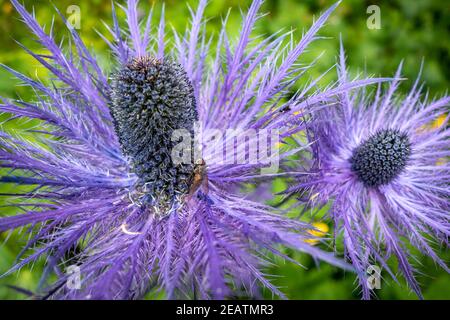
{"x":81,"y":209}
{"x":382,"y":167}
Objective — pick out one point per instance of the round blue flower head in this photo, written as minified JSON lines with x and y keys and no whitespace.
{"x":380,"y":158}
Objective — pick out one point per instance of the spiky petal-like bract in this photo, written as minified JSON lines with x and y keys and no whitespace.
{"x":86,"y":173}
{"x":385,"y":171}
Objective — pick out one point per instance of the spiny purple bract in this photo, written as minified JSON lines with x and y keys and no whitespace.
{"x":384,"y":171}
{"x":151,"y":99}
{"x":85,"y":179}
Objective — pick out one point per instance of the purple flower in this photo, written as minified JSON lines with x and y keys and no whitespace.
{"x":384,"y":171}
{"x":100,"y":190}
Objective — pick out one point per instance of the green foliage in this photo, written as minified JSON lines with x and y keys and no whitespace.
{"x":410,"y":30}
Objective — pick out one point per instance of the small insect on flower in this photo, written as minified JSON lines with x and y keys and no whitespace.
{"x":376,"y":162}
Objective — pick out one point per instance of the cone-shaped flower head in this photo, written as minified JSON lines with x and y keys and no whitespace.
{"x":150,"y":99}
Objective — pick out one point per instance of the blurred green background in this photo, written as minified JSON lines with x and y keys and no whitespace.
{"x":410,"y":30}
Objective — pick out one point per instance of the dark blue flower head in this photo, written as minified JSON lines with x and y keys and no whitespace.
{"x":380,"y":158}
{"x":151,"y":99}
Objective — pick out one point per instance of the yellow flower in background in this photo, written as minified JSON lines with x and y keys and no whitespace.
{"x":321,"y":229}
{"x":441,"y":161}
{"x":7,"y":8}
{"x":437,"y":123}
{"x":440,"y":121}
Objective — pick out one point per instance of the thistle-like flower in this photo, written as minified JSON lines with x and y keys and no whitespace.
{"x":383,"y":168}
{"x":100,"y":188}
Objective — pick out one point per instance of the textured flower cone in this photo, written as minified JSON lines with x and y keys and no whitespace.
{"x":150,"y":100}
